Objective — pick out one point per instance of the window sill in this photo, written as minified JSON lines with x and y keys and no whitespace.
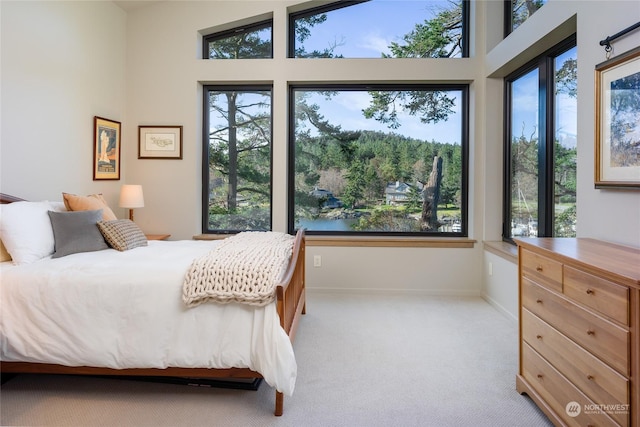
{"x":372,"y":241}
{"x":384,"y":242}
{"x":503,"y":250}
{"x":211,"y":236}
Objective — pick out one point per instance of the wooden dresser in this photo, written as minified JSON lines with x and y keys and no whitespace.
{"x":579,"y":330}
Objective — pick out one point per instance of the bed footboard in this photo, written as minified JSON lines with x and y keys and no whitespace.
{"x":291,"y":298}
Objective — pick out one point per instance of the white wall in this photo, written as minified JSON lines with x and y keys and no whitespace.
{"x":65,"y":62}
{"x":612,"y":215}
{"x":62,"y":64}
{"x":164,"y":79}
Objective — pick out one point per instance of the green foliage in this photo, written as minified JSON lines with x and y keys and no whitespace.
{"x":303,"y":31}
{"x":430,"y":106}
{"x":378,"y":159}
{"x":440,"y":37}
{"x":385,"y":218}
{"x":521,"y":10}
{"x":567,"y":78}
{"x":243,"y":219}
{"x":239,"y":158}
{"x":249,"y":45}
{"x":354,"y":190}
{"x":564,"y":224}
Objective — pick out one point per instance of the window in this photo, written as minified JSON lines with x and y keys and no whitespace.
{"x":248,"y":42}
{"x":378,"y":159}
{"x":540,"y":148}
{"x":518,"y":11}
{"x":236,"y":175}
{"x":381,"y":29}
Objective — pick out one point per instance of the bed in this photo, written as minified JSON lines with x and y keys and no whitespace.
{"x":124,"y":313}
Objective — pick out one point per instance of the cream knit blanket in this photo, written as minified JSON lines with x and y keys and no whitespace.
{"x":243,"y":268}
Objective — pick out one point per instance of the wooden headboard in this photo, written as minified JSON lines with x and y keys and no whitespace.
{"x":6,"y":198}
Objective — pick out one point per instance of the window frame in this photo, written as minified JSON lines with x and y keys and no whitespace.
{"x":465,"y":143}
{"x":291,"y":39}
{"x":508,"y":16}
{"x":546,"y":137}
{"x":206,"y":88}
{"x":243,"y":29}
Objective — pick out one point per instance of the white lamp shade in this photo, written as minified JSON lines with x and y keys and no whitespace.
{"x":131,"y":196}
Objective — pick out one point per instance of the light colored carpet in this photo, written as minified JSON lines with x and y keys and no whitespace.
{"x":363,"y":360}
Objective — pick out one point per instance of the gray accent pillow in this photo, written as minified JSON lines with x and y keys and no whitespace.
{"x":122,"y":234}
{"x":77,"y":231}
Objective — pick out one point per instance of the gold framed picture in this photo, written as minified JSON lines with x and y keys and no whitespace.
{"x":617,"y":147}
{"x":160,"y":142}
{"x":106,"y":149}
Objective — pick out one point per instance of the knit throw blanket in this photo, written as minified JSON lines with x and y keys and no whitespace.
{"x":244,"y":268}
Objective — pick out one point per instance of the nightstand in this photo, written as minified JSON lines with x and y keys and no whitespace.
{"x":157,"y":236}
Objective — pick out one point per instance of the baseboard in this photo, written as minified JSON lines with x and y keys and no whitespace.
{"x":499,"y":307}
{"x":377,"y":291}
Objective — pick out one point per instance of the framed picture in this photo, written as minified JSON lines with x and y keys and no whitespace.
{"x":106,"y":149}
{"x":159,"y":142}
{"x":618,"y":122}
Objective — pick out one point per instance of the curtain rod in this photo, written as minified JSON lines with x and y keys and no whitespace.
{"x":607,"y":42}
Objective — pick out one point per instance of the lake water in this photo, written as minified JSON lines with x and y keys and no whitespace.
{"x":324,"y":224}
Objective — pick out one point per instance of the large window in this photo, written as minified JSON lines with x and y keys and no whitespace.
{"x":518,"y":11}
{"x":540,"y":148}
{"x":247,"y":42}
{"x":381,"y":29}
{"x":236,"y":178}
{"x":378,"y":159}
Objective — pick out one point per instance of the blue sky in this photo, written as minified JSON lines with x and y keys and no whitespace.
{"x":345,"y":109}
{"x":365,"y":31}
{"x":525,"y":108}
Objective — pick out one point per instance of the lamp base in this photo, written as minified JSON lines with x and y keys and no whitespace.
{"x":131,"y":214}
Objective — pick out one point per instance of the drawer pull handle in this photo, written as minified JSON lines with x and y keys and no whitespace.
{"x":539,"y":301}
{"x":591,"y":332}
{"x":590,"y":292}
{"x":539,"y":268}
{"x":539,"y":337}
{"x":590,"y":377}
{"x":540,"y":376}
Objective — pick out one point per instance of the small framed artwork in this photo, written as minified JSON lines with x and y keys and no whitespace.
{"x":106,"y":149}
{"x":160,"y":142}
{"x":617,"y":147}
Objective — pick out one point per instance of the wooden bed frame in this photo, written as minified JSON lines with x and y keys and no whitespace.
{"x":291,"y":304}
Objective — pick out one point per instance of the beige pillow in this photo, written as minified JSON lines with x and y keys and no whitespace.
{"x":4,"y":255}
{"x":89,"y":203}
{"x":122,"y":234}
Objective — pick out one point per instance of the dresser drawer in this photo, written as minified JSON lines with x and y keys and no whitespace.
{"x":541,"y":270}
{"x":594,"y":378}
{"x":606,"y":340}
{"x":606,"y":297}
{"x":562,"y":396}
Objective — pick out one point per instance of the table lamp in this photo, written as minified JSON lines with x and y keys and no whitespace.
{"x":131,"y":197}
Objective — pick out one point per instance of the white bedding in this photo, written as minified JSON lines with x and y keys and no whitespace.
{"x":124,"y":310}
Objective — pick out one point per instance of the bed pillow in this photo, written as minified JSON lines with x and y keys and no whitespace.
{"x":88,"y":203}
{"x":76,"y":232}
{"x":25,"y":230}
{"x":4,"y":255}
{"x":122,"y":234}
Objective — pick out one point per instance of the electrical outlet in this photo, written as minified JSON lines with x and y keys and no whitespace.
{"x":317,"y":261}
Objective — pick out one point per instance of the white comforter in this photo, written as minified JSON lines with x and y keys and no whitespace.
{"x":124,"y":310}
